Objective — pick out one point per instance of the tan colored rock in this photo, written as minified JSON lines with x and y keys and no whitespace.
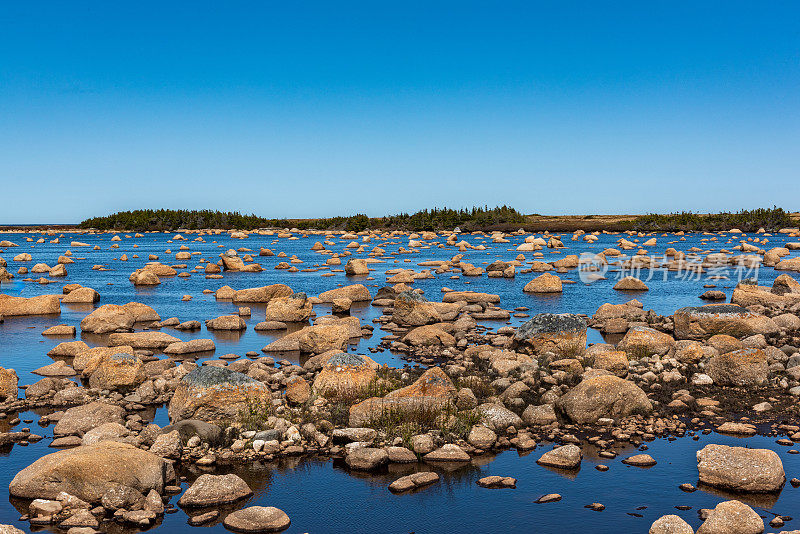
{"x":732,"y":517}
{"x":8,"y":384}
{"x":259,"y":294}
{"x":320,"y":338}
{"x":702,"y":322}
{"x":143,"y":277}
{"x":80,"y":419}
{"x":641,"y":341}
{"x":90,"y":357}
{"x":142,"y":340}
{"x":356,"y":267}
{"x":614,"y":361}
{"x":41,"y":305}
{"x":88,"y":472}
{"x":355,"y":292}
{"x":429,"y":336}
{"x":81,"y":295}
{"x":345,"y":376}
{"x":115,"y":371}
{"x":740,"y":469}
{"x":602,"y":396}
{"x":291,"y":309}
{"x":216,"y":394}
{"x":298,"y":390}
{"x":744,"y":367}
{"x":544,"y":283}
{"x":413,"y":309}
{"x":191,"y":346}
{"x":630,"y":283}
{"x":226,"y":322}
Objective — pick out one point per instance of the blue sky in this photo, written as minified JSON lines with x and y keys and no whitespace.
{"x":303,"y":109}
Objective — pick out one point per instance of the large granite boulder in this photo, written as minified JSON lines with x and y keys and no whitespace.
{"x":291,"y":309}
{"x":88,"y":472}
{"x":320,"y":338}
{"x":8,"y":384}
{"x":81,"y":419}
{"x":215,"y":394}
{"x":119,"y":370}
{"x":732,"y":517}
{"x":214,"y":490}
{"x":345,"y":375}
{"x":41,"y":305}
{"x":412,"y":309}
{"x":602,"y":396}
{"x":743,"y":367}
{"x":561,"y":333}
{"x":260,"y":294}
{"x":641,"y":341}
{"x":702,"y":322}
{"x":355,"y":292}
{"x":544,"y":283}
{"x":740,"y":469}
{"x":114,"y":318}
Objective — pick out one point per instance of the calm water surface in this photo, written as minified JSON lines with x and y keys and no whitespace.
{"x":321,"y":496}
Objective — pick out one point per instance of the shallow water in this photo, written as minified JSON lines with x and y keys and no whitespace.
{"x":320,"y":496}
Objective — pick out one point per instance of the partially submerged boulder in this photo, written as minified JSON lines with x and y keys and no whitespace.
{"x":290,"y":309}
{"x":740,"y":469}
{"x":412,"y":309}
{"x":702,"y":322}
{"x":258,"y":294}
{"x":41,"y":305}
{"x":80,"y":419}
{"x":8,"y":384}
{"x":544,"y":283}
{"x":88,"y":472}
{"x":114,"y":318}
{"x":214,"y":490}
{"x":355,"y":292}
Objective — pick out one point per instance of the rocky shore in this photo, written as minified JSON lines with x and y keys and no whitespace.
{"x":468,"y":390}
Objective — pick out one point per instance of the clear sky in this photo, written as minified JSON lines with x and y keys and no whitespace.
{"x":303,"y":109}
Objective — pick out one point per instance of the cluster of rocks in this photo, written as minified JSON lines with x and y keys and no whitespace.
{"x":484,"y":389}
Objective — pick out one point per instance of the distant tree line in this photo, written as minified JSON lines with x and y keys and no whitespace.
{"x":476,"y":218}
{"x":746,"y":220}
{"x":435,"y":219}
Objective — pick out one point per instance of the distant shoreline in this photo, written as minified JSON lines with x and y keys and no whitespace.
{"x":532,"y":223}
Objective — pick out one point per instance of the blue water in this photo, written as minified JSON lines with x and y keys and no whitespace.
{"x":320,"y":496}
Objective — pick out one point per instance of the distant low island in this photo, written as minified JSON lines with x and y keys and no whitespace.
{"x":475,"y":218}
